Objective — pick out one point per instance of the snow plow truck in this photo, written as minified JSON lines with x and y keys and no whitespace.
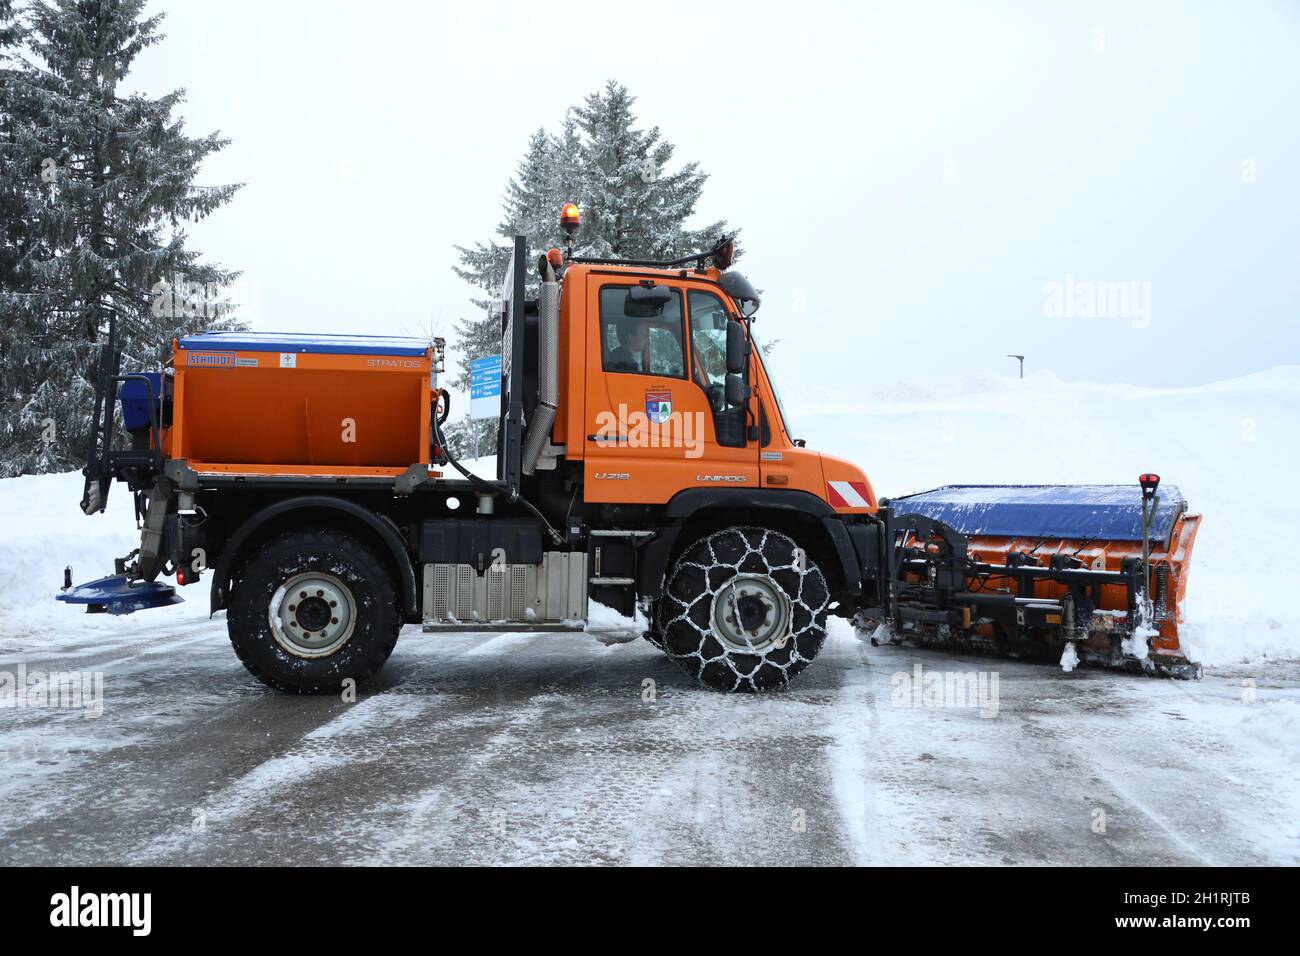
{"x":644,"y":461}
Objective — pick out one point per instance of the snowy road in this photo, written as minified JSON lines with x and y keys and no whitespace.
{"x":550,"y":749}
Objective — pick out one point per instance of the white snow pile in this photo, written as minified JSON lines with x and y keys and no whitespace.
{"x":1230,"y":447}
{"x":42,"y":530}
{"x":611,"y":627}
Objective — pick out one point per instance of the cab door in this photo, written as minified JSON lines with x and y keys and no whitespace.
{"x":651,"y":425}
{"x":731,"y":449}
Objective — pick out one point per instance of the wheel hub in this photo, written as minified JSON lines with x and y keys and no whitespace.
{"x":751,"y":613}
{"x":312,"y":614}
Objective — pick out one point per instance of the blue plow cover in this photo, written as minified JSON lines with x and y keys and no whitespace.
{"x":1078,"y":512}
{"x":116,"y":595}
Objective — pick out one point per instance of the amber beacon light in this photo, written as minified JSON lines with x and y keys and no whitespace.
{"x":570,"y":218}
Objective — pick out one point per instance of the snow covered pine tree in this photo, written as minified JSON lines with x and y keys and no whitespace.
{"x":15,"y":215}
{"x":95,"y":185}
{"x":631,"y":206}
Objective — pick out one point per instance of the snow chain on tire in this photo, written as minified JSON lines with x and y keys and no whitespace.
{"x":762,"y":565}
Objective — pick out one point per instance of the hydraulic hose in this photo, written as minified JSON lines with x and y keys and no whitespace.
{"x":487,"y":487}
{"x":445,"y":396}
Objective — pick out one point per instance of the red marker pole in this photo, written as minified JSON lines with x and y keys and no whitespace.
{"x":1149,"y":482}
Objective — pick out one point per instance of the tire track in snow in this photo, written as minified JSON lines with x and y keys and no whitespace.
{"x":852,"y":758}
{"x":155,"y":651}
{"x":117,"y":748}
{"x":316,"y":753}
{"x":1080,"y":748}
{"x":1253,"y":818}
{"x":429,"y":813}
{"x":181,"y":636}
{"x":501,"y":642}
{"x":1157,"y":819}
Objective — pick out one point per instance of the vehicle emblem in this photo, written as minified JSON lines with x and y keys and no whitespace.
{"x":658,"y":406}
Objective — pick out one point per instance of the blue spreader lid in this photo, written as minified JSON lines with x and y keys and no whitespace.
{"x":306,"y":342}
{"x":1078,"y":512}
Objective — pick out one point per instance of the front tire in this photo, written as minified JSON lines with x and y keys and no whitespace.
{"x":744,"y":610}
{"x":313,"y":609}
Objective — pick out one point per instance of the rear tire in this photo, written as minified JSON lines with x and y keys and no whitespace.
{"x":742,"y":612}
{"x":313,"y":609}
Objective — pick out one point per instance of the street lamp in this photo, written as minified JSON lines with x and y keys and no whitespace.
{"x":1021,"y":358}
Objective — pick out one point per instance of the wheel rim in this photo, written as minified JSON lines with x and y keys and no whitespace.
{"x":312,"y":614}
{"x":751,"y":613}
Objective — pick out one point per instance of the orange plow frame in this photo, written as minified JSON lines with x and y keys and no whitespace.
{"x":1032,"y":595}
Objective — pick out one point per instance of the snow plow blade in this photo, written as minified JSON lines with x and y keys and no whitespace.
{"x":1094,"y":573}
{"x":119,"y":595}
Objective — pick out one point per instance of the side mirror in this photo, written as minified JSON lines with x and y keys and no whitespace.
{"x":738,"y":391}
{"x":737,"y":347}
{"x":646,"y":302}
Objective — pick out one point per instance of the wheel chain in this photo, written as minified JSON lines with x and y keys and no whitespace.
{"x":710,"y":594}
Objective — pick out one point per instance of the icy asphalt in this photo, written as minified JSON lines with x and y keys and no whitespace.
{"x":561,"y":749}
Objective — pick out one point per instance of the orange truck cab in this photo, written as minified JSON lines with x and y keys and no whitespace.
{"x":645,"y":461}
{"x":651,"y":423}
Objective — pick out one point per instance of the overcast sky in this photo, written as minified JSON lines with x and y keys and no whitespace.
{"x":923,"y":187}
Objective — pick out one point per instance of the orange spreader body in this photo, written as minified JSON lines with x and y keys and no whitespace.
{"x":299,"y":412}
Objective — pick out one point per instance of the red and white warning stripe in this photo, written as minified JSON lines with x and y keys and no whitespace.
{"x":848,"y":494}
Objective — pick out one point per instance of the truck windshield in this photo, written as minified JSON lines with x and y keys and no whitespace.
{"x":766,"y":361}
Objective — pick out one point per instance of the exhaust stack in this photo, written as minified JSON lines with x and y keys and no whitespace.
{"x":538,"y":436}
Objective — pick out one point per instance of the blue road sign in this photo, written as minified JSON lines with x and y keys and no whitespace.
{"x":485,"y":387}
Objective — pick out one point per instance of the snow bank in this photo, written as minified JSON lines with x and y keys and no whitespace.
{"x":1229,"y":446}
{"x":42,"y":530}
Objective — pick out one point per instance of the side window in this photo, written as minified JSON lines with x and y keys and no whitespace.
{"x":641,"y":345}
{"x":709,"y":339}
{"x":709,"y":320}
